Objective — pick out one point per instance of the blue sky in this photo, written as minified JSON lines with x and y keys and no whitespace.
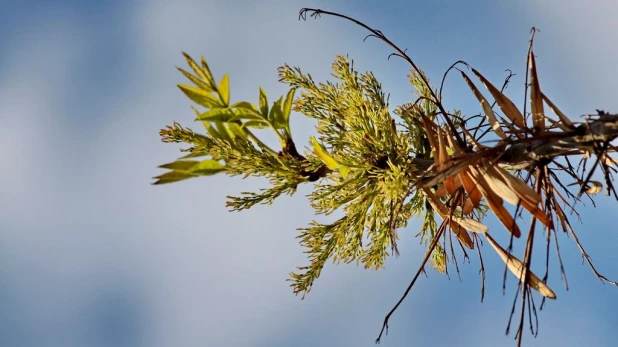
{"x":92,"y":255}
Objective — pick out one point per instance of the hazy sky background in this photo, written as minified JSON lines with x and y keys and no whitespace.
{"x":92,"y":255}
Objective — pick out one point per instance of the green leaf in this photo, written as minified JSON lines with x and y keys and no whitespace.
{"x":212,"y":131}
{"x":188,"y":168}
{"x":199,"y":96}
{"x":224,"y":89}
{"x":223,"y":132}
{"x":287,"y":107}
{"x":236,"y":129}
{"x":207,"y":167}
{"x":263,"y":103}
{"x":181,"y":165}
{"x":241,"y":115}
{"x":203,"y":74}
{"x":245,"y":105}
{"x":344,"y":170}
{"x":195,"y":154}
{"x":245,"y":110}
{"x":173,"y":176}
{"x":216,"y":115}
{"x":197,"y":81}
{"x":275,"y":116}
{"x":256,"y":124}
{"x":329,"y":161}
{"x":206,"y":70}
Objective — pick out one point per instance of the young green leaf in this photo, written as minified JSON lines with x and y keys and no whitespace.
{"x":236,"y":129}
{"x":223,"y":132}
{"x":216,"y":115}
{"x":194,"y":154}
{"x":263,"y":103}
{"x":245,"y":106}
{"x":173,"y":176}
{"x":256,"y":124}
{"x":329,"y":161}
{"x":206,"y":70}
{"x":224,"y":89}
{"x":243,"y":114}
{"x":245,"y":110}
{"x":197,"y":81}
{"x":181,"y":165}
{"x":287,"y":108}
{"x":203,"y":74}
{"x":200,"y":97}
{"x":344,"y":170}
{"x":275,"y":115}
{"x":212,"y":131}
{"x":207,"y":167}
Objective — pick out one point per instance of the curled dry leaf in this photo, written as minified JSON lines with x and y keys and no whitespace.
{"x":446,"y":189}
{"x":506,"y":105}
{"x":519,"y":270}
{"x":452,"y":170}
{"x":565,"y":123}
{"x":528,"y":198}
{"x":609,"y":161}
{"x":477,"y":145}
{"x":590,"y":187}
{"x":536,"y":99}
{"x":443,"y":211}
{"x":489,"y":113}
{"x":594,"y":187}
{"x":498,"y":186}
{"x":462,"y":234}
{"x":495,"y":203}
{"x":472,"y":190}
{"x":443,"y":162}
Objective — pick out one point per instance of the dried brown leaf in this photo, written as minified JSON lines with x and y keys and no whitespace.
{"x":472,"y":140}
{"x":594,"y":187}
{"x":462,"y":235}
{"x":527,"y":197}
{"x":474,"y":194}
{"x":506,"y":105}
{"x":444,"y":189}
{"x":489,"y":113}
{"x":441,"y":176}
{"x":495,"y":203}
{"x":468,"y":206}
{"x":443,"y":211}
{"x":566,"y":122}
{"x":519,"y":270}
{"x":536,"y":98}
{"x":498,"y":186}
{"x":431,"y":135}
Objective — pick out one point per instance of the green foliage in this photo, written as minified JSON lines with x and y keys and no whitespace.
{"x":228,"y":141}
{"x":363,"y":162}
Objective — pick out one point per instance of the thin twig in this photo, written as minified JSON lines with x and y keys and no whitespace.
{"x":400,"y":53}
{"x":430,"y":250}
